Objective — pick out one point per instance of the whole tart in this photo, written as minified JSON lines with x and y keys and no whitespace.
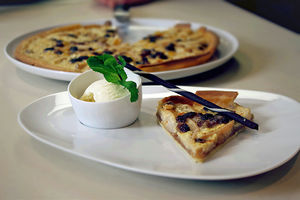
{"x":67,"y":48}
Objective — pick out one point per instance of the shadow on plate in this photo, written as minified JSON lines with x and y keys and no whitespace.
{"x":224,"y":73}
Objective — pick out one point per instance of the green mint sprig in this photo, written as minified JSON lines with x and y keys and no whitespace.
{"x":113,"y":72}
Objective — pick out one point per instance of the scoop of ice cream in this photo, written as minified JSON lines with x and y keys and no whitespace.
{"x":102,"y":91}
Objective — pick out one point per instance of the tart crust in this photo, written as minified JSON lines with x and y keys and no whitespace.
{"x":67,"y":48}
{"x":199,"y":142}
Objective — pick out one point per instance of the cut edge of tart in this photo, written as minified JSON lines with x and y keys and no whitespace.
{"x":198,"y":131}
{"x":175,"y":48}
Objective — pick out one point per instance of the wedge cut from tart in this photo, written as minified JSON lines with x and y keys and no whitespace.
{"x":197,"y":130}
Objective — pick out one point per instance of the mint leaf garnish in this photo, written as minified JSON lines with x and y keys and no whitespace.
{"x":131,"y":86}
{"x":113,"y":72}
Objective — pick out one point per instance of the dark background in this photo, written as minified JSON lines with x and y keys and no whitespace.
{"x":285,"y":13}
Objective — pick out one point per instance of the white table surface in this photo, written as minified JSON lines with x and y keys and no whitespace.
{"x":267,"y":60}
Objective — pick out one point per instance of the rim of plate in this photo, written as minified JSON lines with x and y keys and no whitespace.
{"x":164,"y":174}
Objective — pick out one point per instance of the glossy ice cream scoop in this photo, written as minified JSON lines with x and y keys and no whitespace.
{"x":103,"y":91}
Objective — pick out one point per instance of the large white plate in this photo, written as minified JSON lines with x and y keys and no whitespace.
{"x":144,"y":147}
{"x":137,"y":30}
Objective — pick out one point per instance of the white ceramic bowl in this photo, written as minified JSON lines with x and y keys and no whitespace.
{"x":112,"y":114}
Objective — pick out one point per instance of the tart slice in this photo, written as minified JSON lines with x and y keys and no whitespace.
{"x":197,"y":130}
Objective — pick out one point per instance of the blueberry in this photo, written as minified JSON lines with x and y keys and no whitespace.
{"x":110,"y":31}
{"x":207,"y":116}
{"x":190,"y":114}
{"x":153,"y":55}
{"x":145,"y":52}
{"x":145,"y":60}
{"x":183,"y":127}
{"x":200,"y":140}
{"x":83,"y":58}
{"x":222,"y":119}
{"x":74,"y":60}
{"x":152,"y":38}
{"x":58,"y":52}
{"x":202,"y":46}
{"x":79,"y":59}
{"x":73,"y":49}
{"x":58,"y":44}
{"x":108,"y":52}
{"x":180,"y":118}
{"x":72,"y":35}
{"x":49,"y":49}
{"x":161,"y":55}
{"x":211,"y":123}
{"x":200,"y":123}
{"x":170,"y":47}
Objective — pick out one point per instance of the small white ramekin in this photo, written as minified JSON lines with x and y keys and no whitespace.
{"x":112,"y":114}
